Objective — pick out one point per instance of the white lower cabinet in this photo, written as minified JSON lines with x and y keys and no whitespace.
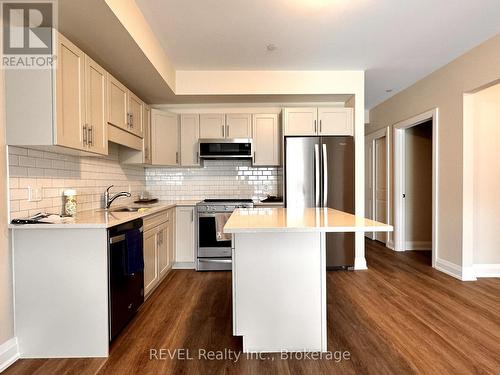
{"x":185,"y":247}
{"x":158,"y":248}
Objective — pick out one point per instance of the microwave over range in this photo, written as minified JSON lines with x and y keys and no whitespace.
{"x":230,"y":148}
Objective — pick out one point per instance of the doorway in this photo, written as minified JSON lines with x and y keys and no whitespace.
{"x":377,"y":181}
{"x":415,"y":184}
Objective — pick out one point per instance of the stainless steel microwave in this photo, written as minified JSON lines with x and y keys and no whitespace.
{"x":237,"y":148}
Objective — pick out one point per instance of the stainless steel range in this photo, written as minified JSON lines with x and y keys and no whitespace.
{"x":214,"y":251}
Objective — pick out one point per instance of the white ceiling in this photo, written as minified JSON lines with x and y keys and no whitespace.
{"x":397,"y":42}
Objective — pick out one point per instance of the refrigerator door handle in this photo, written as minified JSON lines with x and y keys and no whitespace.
{"x":316,"y":176}
{"x":325,"y":176}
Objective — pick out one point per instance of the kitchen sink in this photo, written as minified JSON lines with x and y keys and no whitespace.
{"x":127,"y":209}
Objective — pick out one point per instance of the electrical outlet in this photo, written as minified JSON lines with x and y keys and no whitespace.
{"x":34,"y":194}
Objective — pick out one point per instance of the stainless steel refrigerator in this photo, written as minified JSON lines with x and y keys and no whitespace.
{"x":319,"y":172}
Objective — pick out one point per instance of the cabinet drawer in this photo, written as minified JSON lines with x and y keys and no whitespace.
{"x":155,"y":220}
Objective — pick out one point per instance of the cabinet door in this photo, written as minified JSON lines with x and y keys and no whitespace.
{"x":300,"y":121}
{"x":335,"y":121}
{"x":70,"y":102}
{"x":95,"y":100}
{"x":164,"y":138}
{"x":171,"y":237}
{"x":185,"y":235}
{"x":135,"y":111}
{"x":163,"y":247}
{"x":266,"y":140}
{"x":190,"y":133}
{"x":151,"y":275}
{"x":147,"y":135}
{"x":238,"y":126}
{"x":212,"y":126}
{"x":117,"y":103}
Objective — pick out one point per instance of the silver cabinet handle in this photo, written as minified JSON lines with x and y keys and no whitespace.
{"x":176,"y":157}
{"x":316,"y":176}
{"x":315,"y":127}
{"x":253,"y":159}
{"x":325,"y":175}
{"x":226,"y":133}
{"x":84,"y":135}
{"x":223,"y":131}
{"x":320,"y":126}
{"x":131,"y":120}
{"x":197,"y":156}
{"x":128,"y":119}
{"x":91,"y":135}
{"x":192,"y":215}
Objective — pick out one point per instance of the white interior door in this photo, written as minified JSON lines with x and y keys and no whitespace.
{"x":369,"y":183}
{"x":380,"y":185}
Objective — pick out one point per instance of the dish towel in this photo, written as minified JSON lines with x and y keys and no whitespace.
{"x":220,"y":221}
{"x":134,"y":259}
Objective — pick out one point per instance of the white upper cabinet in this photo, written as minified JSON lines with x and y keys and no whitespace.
{"x":117,"y":103}
{"x":135,"y":114}
{"x":300,"y":121}
{"x":125,"y":109}
{"x":212,"y":125}
{"x":335,"y":121}
{"x":70,"y":96}
{"x":147,"y":135}
{"x":266,"y":140}
{"x":190,"y":133}
{"x":164,"y":138}
{"x":318,"y":121}
{"x":96,"y":107}
{"x":238,"y":126}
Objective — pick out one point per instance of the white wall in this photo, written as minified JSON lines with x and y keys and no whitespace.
{"x":487,"y":176}
{"x":444,"y":89}
{"x":418,"y":186}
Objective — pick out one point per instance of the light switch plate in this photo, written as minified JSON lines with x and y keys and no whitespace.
{"x":34,"y":194}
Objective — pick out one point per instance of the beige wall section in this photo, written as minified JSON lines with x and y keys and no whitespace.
{"x":133,"y":20}
{"x":241,"y":82}
{"x":418,"y":183}
{"x":444,"y":89}
{"x":6,"y":305}
{"x":486,"y":176}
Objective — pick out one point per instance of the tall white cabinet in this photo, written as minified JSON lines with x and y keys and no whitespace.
{"x":266,"y":140}
{"x":164,"y":138}
{"x":185,"y":228}
{"x":190,"y":133}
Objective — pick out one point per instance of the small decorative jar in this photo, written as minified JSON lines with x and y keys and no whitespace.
{"x":70,"y":202}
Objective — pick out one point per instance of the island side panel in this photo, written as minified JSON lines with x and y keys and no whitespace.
{"x":61,"y":292}
{"x":279,"y":291}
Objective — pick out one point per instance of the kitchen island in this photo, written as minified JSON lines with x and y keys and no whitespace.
{"x":279,"y":274}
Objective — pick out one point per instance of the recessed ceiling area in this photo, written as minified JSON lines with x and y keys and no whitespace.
{"x":396,"y":42}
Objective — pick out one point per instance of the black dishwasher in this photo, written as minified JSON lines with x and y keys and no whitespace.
{"x":126,"y":289}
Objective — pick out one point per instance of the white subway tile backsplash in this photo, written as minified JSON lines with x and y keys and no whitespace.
{"x":216,"y":179}
{"x":89,"y":176}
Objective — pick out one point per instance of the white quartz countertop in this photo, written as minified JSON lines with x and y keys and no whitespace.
{"x":257,"y":220}
{"x":106,"y":218}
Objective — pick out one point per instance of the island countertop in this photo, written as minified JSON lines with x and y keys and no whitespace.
{"x":300,"y":220}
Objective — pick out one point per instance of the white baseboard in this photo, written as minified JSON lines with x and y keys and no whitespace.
{"x":360,"y":264}
{"x":390,"y":244}
{"x":468,"y":274}
{"x":418,"y":245}
{"x":184,"y":266}
{"x":449,"y":268}
{"x":9,"y":353}
{"x":487,"y":270}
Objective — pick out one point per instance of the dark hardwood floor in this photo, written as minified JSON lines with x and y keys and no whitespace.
{"x":399,"y":317}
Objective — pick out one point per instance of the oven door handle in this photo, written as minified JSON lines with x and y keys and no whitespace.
{"x":212,"y":214}
{"x":202,"y":260}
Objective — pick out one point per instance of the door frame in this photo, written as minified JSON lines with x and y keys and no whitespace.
{"x":372,"y":138}
{"x":399,"y":179}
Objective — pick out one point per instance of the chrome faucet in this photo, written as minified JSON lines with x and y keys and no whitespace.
{"x":108,"y":200}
